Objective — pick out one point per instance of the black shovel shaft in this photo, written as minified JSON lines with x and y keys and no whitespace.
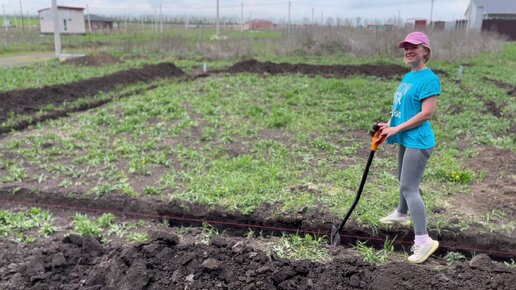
{"x":359,"y":193}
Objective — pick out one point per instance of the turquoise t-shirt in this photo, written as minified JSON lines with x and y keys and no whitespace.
{"x":413,"y":89}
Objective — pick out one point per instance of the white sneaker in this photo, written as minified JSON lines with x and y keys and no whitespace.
{"x":396,"y":218}
{"x":422,"y":252}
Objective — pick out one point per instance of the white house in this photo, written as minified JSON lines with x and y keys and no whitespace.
{"x":480,"y":10}
{"x":71,"y":20}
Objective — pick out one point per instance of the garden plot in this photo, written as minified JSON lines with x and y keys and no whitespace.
{"x":283,"y":150}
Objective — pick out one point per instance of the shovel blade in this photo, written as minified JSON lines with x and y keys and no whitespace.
{"x":335,"y":236}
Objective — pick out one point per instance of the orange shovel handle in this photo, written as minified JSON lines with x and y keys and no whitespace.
{"x":377,"y":140}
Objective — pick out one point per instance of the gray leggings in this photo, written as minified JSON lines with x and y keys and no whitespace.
{"x":411,"y":166}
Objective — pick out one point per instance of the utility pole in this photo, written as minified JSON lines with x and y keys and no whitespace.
{"x":57,"y":35}
{"x":5,"y":18}
{"x":313,"y":14}
{"x":322,"y":19}
{"x":241,"y":16}
{"x":28,"y":20}
{"x":217,"y":23}
{"x":431,"y":12}
{"x":89,"y":19}
{"x":160,"y":19}
{"x":155,"y":20}
{"x":288,"y":27}
{"x":21,"y":15}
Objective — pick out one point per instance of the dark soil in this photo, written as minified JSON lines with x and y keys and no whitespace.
{"x":31,"y":101}
{"x":168,"y":261}
{"x":336,"y":71}
{"x":315,"y":221}
{"x":333,"y":71}
{"x":511,"y":90}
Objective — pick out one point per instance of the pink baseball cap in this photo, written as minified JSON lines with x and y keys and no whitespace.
{"x":417,"y":38}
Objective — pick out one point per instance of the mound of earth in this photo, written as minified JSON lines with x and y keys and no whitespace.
{"x":77,"y":262}
{"x":338,"y":71}
{"x":93,"y":60}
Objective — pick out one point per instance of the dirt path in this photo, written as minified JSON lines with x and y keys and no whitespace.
{"x":25,"y":59}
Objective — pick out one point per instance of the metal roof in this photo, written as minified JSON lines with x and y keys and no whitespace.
{"x":496,"y":6}
{"x":98,"y":18}
{"x":63,"y":7}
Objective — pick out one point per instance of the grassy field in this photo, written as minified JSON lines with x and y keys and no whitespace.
{"x":246,"y":142}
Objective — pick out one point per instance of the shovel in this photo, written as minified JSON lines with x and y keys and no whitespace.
{"x":377,"y":140}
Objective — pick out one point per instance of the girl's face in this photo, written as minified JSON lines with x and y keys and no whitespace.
{"x":414,"y":54}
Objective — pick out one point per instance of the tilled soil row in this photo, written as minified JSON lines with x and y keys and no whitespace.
{"x":333,"y":71}
{"x":496,"y":245}
{"x":30,"y":101}
{"x":77,"y":262}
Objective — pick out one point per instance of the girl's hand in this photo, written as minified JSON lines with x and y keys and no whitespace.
{"x":390,"y":131}
{"x":383,"y":126}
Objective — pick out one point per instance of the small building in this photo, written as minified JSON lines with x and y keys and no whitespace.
{"x":98,"y":23}
{"x":439,"y":25}
{"x":420,"y":24}
{"x":71,"y":20}
{"x":416,"y":23}
{"x":497,"y":15}
{"x":257,"y":24}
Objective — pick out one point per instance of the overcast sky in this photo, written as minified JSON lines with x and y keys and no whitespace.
{"x":371,"y":9}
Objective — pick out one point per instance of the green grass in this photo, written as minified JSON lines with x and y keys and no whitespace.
{"x":453,"y":257}
{"x":138,"y":238}
{"x":53,"y":72}
{"x":298,"y":247}
{"x":105,"y":227}
{"x":374,"y":256}
{"x":18,"y":223}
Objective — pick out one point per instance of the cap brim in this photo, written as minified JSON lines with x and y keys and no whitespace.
{"x":405,"y":42}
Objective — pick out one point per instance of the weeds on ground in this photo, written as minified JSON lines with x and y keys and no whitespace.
{"x":305,"y":247}
{"x":208,"y":232}
{"x":84,"y":226}
{"x":496,"y":220}
{"x":373,"y":256}
{"x":16,"y":223}
{"x":138,"y":238}
{"x":104,"y":227}
{"x":453,"y":257}
{"x":250,"y":234}
{"x":511,"y":264}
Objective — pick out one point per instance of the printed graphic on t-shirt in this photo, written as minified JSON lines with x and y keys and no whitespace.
{"x":402,"y":90}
